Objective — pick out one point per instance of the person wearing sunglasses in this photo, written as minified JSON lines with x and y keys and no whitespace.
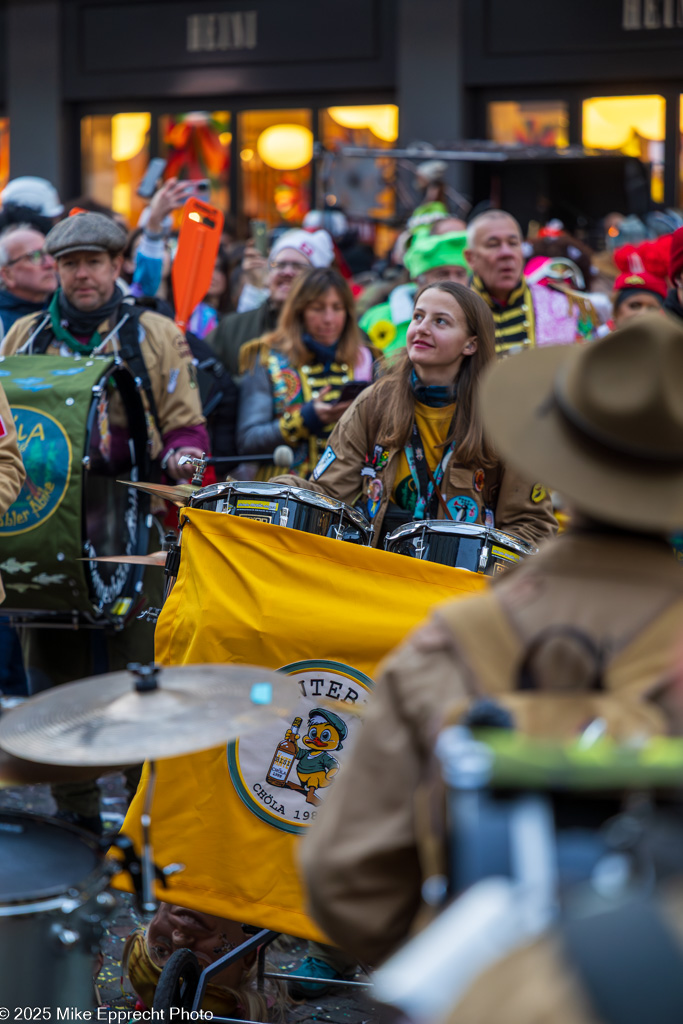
{"x":29,"y":276}
{"x":294,"y":252}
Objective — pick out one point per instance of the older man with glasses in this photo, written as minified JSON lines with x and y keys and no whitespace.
{"x":29,"y":275}
{"x":292,"y":254}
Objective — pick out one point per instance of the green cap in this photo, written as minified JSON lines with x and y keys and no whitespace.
{"x":334,"y":720}
{"x":429,"y":251}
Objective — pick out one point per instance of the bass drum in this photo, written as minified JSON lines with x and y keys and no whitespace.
{"x":294,"y":507}
{"x":81,"y":426}
{"x":459,"y":545}
{"x":52,"y":911}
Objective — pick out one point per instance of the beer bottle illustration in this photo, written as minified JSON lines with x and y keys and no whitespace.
{"x":283,"y":759}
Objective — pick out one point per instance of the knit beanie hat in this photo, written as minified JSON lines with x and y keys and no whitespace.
{"x":316,"y":246}
{"x":429,"y":251}
{"x":676,"y":256}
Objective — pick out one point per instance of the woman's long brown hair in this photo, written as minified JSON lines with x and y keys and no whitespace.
{"x":395,"y":402}
{"x":308,"y":288}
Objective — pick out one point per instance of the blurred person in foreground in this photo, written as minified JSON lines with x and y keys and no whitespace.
{"x":593,"y":620}
{"x":526,"y":315}
{"x":294,"y":252}
{"x":29,"y":276}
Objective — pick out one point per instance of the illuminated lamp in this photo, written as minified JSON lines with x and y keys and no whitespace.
{"x":285,"y":147}
{"x":128,"y":134}
{"x":225,"y":138}
{"x":247,"y":155}
{"x":609,"y":122}
{"x":381,"y":119}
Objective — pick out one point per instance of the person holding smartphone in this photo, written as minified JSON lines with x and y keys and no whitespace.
{"x":413,"y":447}
{"x":293,"y":388}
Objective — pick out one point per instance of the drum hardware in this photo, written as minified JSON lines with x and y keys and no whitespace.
{"x":147,"y":713}
{"x":282,"y":457}
{"x":292,"y":507}
{"x":177,"y":494}
{"x":459,"y":545}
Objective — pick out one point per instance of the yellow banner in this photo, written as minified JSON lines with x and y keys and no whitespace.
{"x":249,"y":592}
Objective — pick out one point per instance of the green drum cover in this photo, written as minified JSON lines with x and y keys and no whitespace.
{"x":41,"y":535}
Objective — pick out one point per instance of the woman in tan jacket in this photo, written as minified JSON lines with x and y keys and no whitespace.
{"x":412,"y":445}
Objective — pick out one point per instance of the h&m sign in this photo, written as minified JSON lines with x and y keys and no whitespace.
{"x":652,"y":14}
{"x":212,"y":33}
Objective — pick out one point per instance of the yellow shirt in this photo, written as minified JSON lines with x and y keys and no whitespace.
{"x":433,"y":425}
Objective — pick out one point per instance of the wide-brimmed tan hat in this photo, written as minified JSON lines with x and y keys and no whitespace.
{"x":602,"y":423}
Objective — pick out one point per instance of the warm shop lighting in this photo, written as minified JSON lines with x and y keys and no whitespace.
{"x":225,"y":138}
{"x":285,"y":147}
{"x":128,"y":134}
{"x":610,"y":121}
{"x":381,"y":119}
{"x":246,"y":155}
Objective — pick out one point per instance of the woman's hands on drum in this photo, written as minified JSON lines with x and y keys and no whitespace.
{"x":186,"y":471}
{"x":329,"y":412}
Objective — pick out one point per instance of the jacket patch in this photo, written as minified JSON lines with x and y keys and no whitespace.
{"x":326,"y":460}
{"x":3,"y":428}
{"x":538,"y":493}
{"x":463,"y":509}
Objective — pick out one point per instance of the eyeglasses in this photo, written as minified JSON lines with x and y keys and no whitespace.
{"x":34,"y":257}
{"x":288,"y":265}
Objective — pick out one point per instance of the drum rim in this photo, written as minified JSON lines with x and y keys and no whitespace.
{"x":445,"y":526}
{"x":247,"y":488}
{"x":54,"y":897}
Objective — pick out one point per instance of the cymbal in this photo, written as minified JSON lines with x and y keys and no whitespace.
{"x":153,"y":558}
{"x":178,"y":494}
{"x":106,"y":720}
{"x":16,"y":771}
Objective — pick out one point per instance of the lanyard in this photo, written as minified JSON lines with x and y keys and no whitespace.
{"x":427,"y":504}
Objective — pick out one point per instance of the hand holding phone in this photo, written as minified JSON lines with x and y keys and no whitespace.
{"x":352,"y":390}
{"x":259,"y":234}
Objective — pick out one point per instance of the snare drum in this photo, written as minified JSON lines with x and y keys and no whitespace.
{"x":80,"y":426}
{"x":460,"y":545}
{"x":52,"y":910}
{"x":281,"y":505}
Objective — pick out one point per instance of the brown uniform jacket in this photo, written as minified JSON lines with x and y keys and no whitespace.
{"x":12,"y":472}
{"x":361,"y":861}
{"x":168,"y":361}
{"x":521,"y":508}
{"x":538,"y":985}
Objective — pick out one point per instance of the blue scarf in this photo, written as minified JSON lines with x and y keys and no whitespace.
{"x":325,"y":354}
{"x":435,"y":395}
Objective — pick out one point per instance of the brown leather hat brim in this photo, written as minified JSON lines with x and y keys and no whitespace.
{"x":531,"y":434}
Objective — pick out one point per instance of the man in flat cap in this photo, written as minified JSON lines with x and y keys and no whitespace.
{"x":87,"y":314}
{"x":587,"y":629}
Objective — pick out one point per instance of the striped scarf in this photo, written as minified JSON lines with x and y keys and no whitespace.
{"x":515,"y":321}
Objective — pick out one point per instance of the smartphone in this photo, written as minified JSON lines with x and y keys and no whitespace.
{"x":150,"y":180}
{"x":259,"y":234}
{"x":352,"y":390}
{"x":198,"y":189}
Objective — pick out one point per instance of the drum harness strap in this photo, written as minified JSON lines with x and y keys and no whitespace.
{"x":125,"y":336}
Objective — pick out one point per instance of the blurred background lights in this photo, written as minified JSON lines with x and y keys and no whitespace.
{"x":285,"y":146}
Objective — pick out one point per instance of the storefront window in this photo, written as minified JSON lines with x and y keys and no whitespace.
{"x":275,"y":152}
{"x":115,"y":154}
{"x":534,"y":123}
{"x":4,"y":151}
{"x":633,"y":125}
{"x":362,"y":186}
{"x":197,"y":145}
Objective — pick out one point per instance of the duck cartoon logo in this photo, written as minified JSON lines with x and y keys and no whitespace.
{"x":282,"y":772}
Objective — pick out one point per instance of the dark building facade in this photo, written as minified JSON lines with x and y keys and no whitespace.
{"x":240,"y":91}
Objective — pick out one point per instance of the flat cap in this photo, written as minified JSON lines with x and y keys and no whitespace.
{"x":85,"y":232}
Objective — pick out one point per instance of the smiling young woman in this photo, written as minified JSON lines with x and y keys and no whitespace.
{"x":413,"y":446}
